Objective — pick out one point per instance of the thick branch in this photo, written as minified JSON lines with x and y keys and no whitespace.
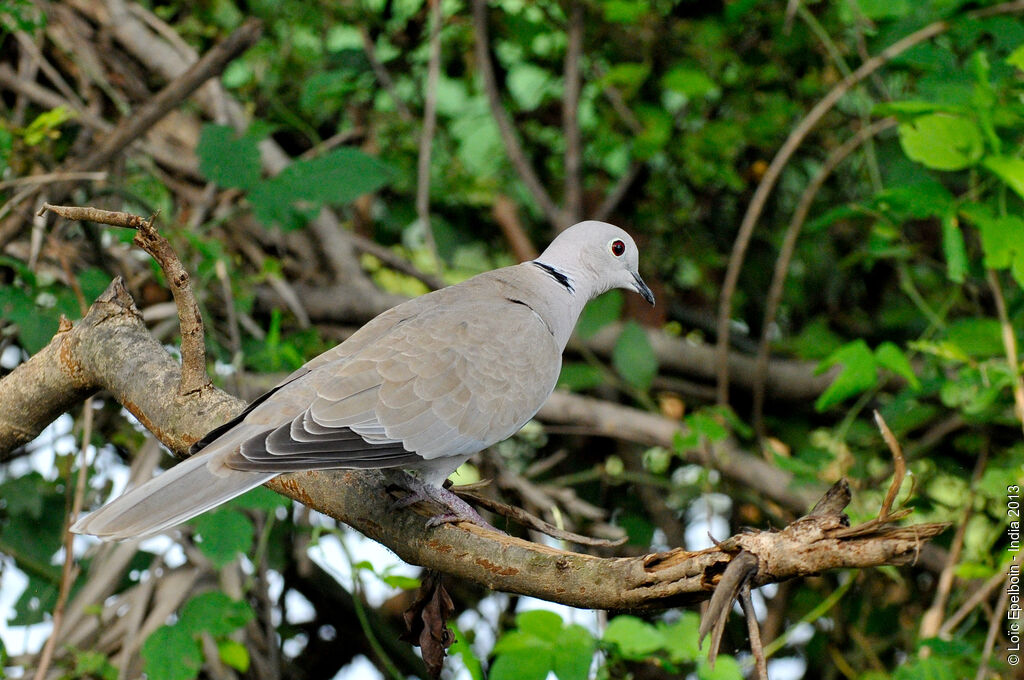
{"x":111,"y":349}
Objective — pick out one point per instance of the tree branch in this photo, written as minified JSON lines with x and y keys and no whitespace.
{"x":111,"y":349}
{"x":508,"y":134}
{"x":570,"y":116}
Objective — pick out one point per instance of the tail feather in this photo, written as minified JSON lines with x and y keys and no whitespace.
{"x":188,"y":489}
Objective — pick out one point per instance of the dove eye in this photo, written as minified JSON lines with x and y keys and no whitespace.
{"x":617,"y":247}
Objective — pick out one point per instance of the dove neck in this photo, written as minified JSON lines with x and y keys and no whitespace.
{"x":562,"y":307}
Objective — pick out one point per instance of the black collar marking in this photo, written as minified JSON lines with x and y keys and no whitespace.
{"x":558,"y":276}
{"x":520,"y":302}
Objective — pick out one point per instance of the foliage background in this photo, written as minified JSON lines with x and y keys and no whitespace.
{"x":905,"y":279}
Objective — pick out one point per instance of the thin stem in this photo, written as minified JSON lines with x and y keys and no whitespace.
{"x":812,"y":615}
{"x":68,"y":570}
{"x":427,"y":134}
{"x":1009,"y":343}
{"x":789,"y":242}
{"x":781,"y":159}
{"x":570,"y":116}
{"x":507,"y":131}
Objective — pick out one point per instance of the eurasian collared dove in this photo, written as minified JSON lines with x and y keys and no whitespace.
{"x":422,"y":387}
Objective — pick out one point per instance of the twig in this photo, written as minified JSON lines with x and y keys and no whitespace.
{"x":381,"y":72}
{"x":427,"y":134}
{"x":813,"y":615}
{"x":393,"y":260}
{"x":786,"y":151}
{"x":976,"y":598}
{"x":532,"y":521}
{"x":899,"y":466}
{"x":786,"y":255}
{"x":619,"y":104}
{"x":618,"y":192}
{"x":507,"y":216}
{"x":337,"y":139}
{"x":193,"y":348}
{"x":68,"y":569}
{"x":1009,"y":344}
{"x":570,"y":115}
{"x":994,"y":626}
{"x":141,"y":120}
{"x":508,"y":134}
{"x":931,"y":621}
{"x":45,"y":97}
{"x":756,"y":648}
{"x":51,"y":177}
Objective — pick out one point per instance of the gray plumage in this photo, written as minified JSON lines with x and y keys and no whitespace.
{"x":422,"y":386}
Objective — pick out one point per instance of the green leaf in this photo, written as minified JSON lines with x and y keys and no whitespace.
{"x":215,"y":613}
{"x":858,"y":375}
{"x":541,"y":623}
{"x":892,"y":357}
{"x":171,"y":653}
{"x":1009,"y":170}
{"x":223,"y":534}
{"x":36,"y":325}
{"x":656,"y":133}
{"x":233,"y":654}
{"x":976,"y":337}
{"x":228,"y":159}
{"x":884,"y":9}
{"x":38,"y":598}
{"x":399,"y":581}
{"x":45,"y":125}
{"x":1002,"y":239}
{"x":260,"y":498}
{"x":625,"y":11}
{"x":577,"y":376}
{"x":1016,"y":58}
{"x":521,"y":665}
{"x":336,"y":178}
{"x":529,"y":84}
{"x":681,"y":638}
{"x":628,"y":77}
{"x":692,"y":82}
{"x":726,"y":668}
{"x":462,"y":648}
{"x":93,"y":281}
{"x":633,"y":356}
{"x":574,"y":653}
{"x":635,"y":639}
{"x":599,"y":312}
{"x":942,"y":141}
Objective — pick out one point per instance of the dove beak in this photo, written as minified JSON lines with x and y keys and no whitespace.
{"x":642,"y":288}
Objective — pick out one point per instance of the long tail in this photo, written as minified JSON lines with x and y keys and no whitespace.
{"x":188,"y":489}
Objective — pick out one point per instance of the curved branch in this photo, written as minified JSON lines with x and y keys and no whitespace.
{"x":786,"y":254}
{"x":111,"y":349}
{"x":789,"y":147}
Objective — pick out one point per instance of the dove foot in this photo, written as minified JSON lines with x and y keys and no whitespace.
{"x":456,"y":509}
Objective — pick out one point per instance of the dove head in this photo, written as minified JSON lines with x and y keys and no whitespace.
{"x":595,"y":257}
